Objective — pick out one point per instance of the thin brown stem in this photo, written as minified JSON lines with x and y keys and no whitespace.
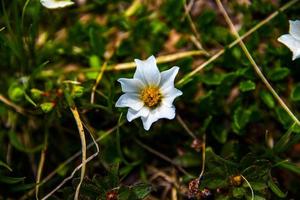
{"x":83,"y":148}
{"x":12,"y":105}
{"x":203,"y":156}
{"x":162,"y":156}
{"x":255,"y":66}
{"x":222,"y":51}
{"x":98,"y":79}
{"x":185,"y":127}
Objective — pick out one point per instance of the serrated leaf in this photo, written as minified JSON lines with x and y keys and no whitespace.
{"x":246,"y":86}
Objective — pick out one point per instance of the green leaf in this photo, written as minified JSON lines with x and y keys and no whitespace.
{"x":23,"y":187}
{"x":36,"y":93}
{"x":15,"y":92}
{"x":279,"y":73}
{"x":256,"y":197}
{"x":282,"y":144}
{"x":246,"y":86}
{"x":289,"y":166}
{"x":276,"y":189}
{"x":19,"y":146}
{"x":220,"y":133}
{"x":77,"y":91}
{"x":29,"y":100}
{"x":141,"y":190}
{"x":10,"y":180}
{"x":241,"y":117}
{"x":3,"y":164}
{"x":283,"y":117}
{"x":217,"y":183}
{"x":95,"y":63}
{"x":206,"y":124}
{"x":187,"y":160}
{"x":213,"y":79}
{"x":256,"y":185}
{"x":238,"y":192}
{"x":47,"y":106}
{"x":267,"y":98}
{"x":295,"y":96}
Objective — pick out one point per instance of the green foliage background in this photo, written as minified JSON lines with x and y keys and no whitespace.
{"x":45,"y":52}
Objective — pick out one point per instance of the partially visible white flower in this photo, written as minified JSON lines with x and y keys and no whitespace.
{"x":53,"y":4}
{"x":292,"y":40}
{"x":150,"y":94}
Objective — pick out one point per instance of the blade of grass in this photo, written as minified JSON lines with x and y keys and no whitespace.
{"x":162,"y":156}
{"x":40,"y":171}
{"x":255,"y":66}
{"x":98,"y":79}
{"x":159,"y":60}
{"x":17,"y":108}
{"x":23,"y":12}
{"x":193,"y":26}
{"x":83,"y":146}
{"x":94,"y":143}
{"x":249,"y":185}
{"x":203,"y":157}
{"x":184,"y":80}
{"x":185,"y":127}
{"x":70,"y":159}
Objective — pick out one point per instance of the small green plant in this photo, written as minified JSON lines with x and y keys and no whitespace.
{"x":235,"y":134}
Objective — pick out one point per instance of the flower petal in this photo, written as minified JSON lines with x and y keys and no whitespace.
{"x":165,"y":112}
{"x":130,"y":100}
{"x":170,"y":95}
{"x":132,"y":114}
{"x":147,"y":71}
{"x":147,"y":121}
{"x":52,"y":4}
{"x":295,"y":29}
{"x":292,"y":43}
{"x":130,"y":85}
{"x":168,"y":77}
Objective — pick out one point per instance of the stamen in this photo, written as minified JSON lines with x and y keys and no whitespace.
{"x":151,"y":96}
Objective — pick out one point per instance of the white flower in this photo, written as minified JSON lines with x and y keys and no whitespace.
{"x":150,"y":94}
{"x":292,"y":40}
{"x":53,"y":4}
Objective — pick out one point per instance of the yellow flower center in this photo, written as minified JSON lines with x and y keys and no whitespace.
{"x":151,"y":96}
